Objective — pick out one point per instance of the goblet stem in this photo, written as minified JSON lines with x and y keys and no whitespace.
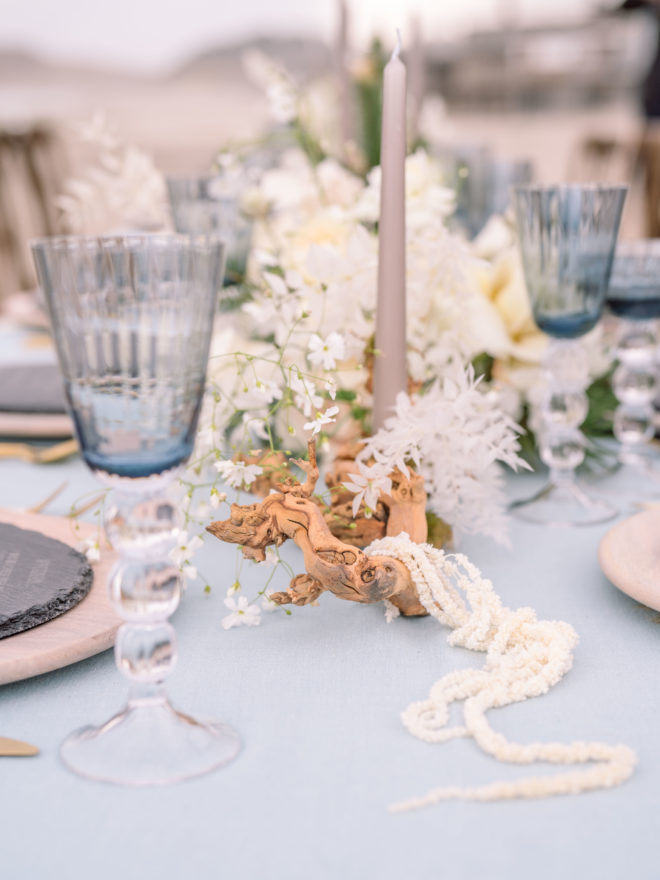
{"x":564,"y":407}
{"x":635,"y":385}
{"x":563,"y":500}
{"x":149,"y":741}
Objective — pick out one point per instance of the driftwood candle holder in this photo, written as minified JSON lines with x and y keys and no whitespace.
{"x":331,"y":564}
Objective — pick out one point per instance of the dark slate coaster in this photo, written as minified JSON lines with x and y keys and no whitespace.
{"x":40,"y":578}
{"x":31,"y":388}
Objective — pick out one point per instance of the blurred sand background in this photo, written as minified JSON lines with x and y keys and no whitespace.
{"x":540,"y":92}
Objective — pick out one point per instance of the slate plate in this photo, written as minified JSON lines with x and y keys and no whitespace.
{"x":40,"y":578}
{"x":84,"y":630}
{"x":629,"y":556}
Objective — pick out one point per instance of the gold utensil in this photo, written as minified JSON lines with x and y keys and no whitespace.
{"x":37,"y":508}
{"x":39,"y":454}
{"x":15,"y":748}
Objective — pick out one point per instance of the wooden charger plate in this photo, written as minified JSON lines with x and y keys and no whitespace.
{"x":629,"y":556}
{"x":85,"y":630}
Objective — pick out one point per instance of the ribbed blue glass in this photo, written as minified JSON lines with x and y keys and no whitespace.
{"x":132,"y":318}
{"x":634,"y":290}
{"x":567,"y":239}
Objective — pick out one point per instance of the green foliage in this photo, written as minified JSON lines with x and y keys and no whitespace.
{"x":439,"y":532}
{"x":483,"y":366}
{"x":307,"y":143}
{"x":369,"y":88}
{"x":362,"y":415}
{"x":602,"y":403}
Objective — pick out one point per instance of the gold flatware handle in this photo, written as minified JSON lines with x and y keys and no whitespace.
{"x":39,"y":454}
{"x":15,"y":748}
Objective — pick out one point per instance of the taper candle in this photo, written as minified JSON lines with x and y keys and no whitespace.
{"x":390,"y":371}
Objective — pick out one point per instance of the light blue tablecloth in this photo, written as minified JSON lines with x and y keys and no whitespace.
{"x":316,"y":697}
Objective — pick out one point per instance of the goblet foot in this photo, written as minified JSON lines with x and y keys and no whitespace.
{"x":643,"y":459}
{"x":563,"y":503}
{"x":149,"y":743}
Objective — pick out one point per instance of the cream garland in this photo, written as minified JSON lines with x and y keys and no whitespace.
{"x":525,"y":657}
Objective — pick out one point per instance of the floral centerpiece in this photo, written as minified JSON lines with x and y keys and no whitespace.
{"x":292,"y":352}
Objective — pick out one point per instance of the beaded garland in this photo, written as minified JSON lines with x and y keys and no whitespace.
{"x":525,"y":657}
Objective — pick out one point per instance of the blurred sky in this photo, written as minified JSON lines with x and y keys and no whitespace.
{"x":155,"y":35}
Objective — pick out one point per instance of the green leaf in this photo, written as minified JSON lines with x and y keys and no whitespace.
{"x":483,"y":366}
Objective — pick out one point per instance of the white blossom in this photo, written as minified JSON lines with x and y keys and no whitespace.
{"x":368,"y":484}
{"x":455,"y":434}
{"x":326,"y":351}
{"x":267,"y":603}
{"x":305,"y":396}
{"x":181,"y":555}
{"x":237,"y":473}
{"x":271,"y":557}
{"x":90,"y":547}
{"x":242,"y":613}
{"x":123,"y":190}
{"x":216,"y":498}
{"x":322,"y":419}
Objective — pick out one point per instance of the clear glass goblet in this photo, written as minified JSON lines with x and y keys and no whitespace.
{"x":211,"y":206}
{"x":131,"y":319}
{"x":634,"y":297}
{"x":567,"y":239}
{"x":483,"y":185}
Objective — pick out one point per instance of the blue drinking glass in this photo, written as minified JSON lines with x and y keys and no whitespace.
{"x":132,"y":319}
{"x":567,"y":238}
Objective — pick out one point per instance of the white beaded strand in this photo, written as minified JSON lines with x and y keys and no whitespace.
{"x":525,"y":657}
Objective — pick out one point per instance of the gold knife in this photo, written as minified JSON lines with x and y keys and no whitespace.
{"x":16,"y":748}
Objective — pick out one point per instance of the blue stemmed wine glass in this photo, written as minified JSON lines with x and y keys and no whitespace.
{"x":131,"y":319}
{"x":634,"y":297}
{"x":567,"y":239}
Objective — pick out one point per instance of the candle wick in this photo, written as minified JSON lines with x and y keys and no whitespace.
{"x":397,"y":48}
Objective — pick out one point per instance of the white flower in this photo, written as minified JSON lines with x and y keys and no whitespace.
{"x":321,"y":419}
{"x":276,"y":81}
{"x":391,"y":611}
{"x":216,"y":498}
{"x":256,"y":393}
{"x":304,"y":393}
{"x":271,"y":557}
{"x":368,"y":484}
{"x":97,"y":131}
{"x":267,"y":603}
{"x":326,"y":351}
{"x":456,"y":434}
{"x":90,"y":547}
{"x":122,"y":191}
{"x":242,"y":613}
{"x":237,"y":473}
{"x":183,"y":552}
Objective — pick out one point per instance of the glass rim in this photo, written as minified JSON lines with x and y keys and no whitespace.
{"x":129,"y":241}
{"x":570,"y":187}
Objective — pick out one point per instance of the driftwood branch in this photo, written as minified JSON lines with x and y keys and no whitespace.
{"x":330,"y":563}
